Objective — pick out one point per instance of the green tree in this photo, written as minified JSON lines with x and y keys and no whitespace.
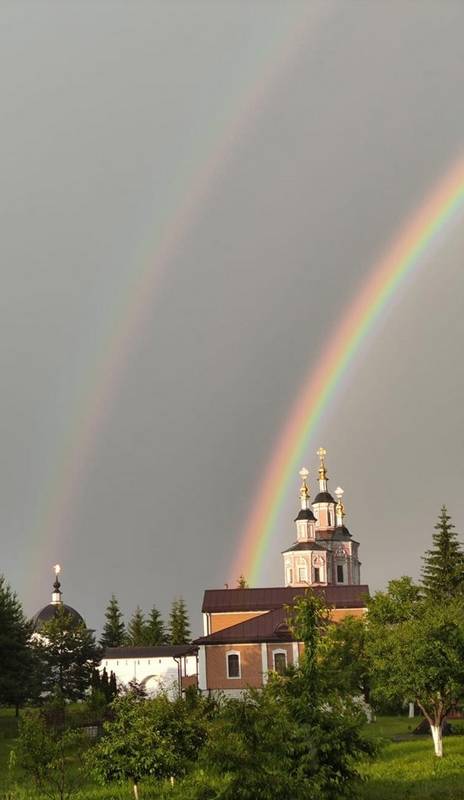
{"x":242,"y":582}
{"x":343,"y":661}
{"x":399,"y":603}
{"x":46,"y":755}
{"x":136,"y":629}
{"x":68,"y":656}
{"x":19,"y":677}
{"x":155,"y":632}
{"x":179,"y":627}
{"x":420,"y":659}
{"x":114,"y":632}
{"x":443,"y":569}
{"x":156,"y":737}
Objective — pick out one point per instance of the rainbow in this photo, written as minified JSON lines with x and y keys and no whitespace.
{"x":127,"y":320}
{"x":441,"y":208}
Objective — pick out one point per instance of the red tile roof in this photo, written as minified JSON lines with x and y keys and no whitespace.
{"x":269,"y":598}
{"x":270,"y":627}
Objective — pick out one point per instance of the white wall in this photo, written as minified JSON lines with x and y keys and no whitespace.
{"x":155,"y":673}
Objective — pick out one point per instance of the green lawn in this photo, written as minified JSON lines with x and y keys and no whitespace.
{"x":402,"y":770}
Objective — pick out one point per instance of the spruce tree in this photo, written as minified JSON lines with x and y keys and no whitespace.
{"x":179,"y":627}
{"x":155,"y":632}
{"x":136,"y":629}
{"x":443,"y":570}
{"x":114,"y":633}
{"x":19,"y":670}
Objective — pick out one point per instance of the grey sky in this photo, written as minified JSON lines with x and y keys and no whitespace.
{"x":332,"y":121}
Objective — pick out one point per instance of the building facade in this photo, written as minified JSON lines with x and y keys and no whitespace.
{"x":170,"y":668}
{"x":245,"y":630}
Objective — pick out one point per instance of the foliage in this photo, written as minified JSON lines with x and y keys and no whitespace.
{"x":136,"y":629}
{"x":156,"y":737}
{"x":420,"y":658}
{"x":19,"y":679}
{"x":114,"y":632}
{"x":68,"y":656}
{"x":179,"y":626}
{"x":399,"y":603}
{"x":104,"y":684}
{"x":46,"y":755}
{"x":343,"y":660}
{"x":242,"y":583}
{"x":443,"y":569}
{"x":155,"y":633}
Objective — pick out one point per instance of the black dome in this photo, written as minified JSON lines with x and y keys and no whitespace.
{"x":323,"y":497}
{"x":341,"y":533}
{"x":49,"y":612}
{"x":305,"y":513}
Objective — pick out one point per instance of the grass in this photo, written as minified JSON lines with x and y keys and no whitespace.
{"x":409,"y":770}
{"x":402,"y":770}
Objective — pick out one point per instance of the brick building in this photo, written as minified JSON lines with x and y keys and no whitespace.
{"x":245,"y":630}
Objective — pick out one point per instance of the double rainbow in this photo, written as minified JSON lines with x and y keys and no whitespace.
{"x":440,"y":209}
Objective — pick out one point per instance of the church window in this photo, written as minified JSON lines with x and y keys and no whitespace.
{"x":233,"y":665}
{"x":317,"y":575}
{"x":280,"y":662}
{"x":289,"y":575}
{"x":340,"y":577}
{"x":302,"y":574}
{"x":329,"y":517}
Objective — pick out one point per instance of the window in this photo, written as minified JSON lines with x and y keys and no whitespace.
{"x":302,"y":574}
{"x":317,"y":575}
{"x":340,"y":578}
{"x":329,"y":517}
{"x":280,"y":662}
{"x":233,"y":665}
{"x":289,"y":575}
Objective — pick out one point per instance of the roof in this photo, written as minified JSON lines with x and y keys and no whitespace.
{"x":305,"y":513}
{"x":269,"y":598}
{"x":270,"y":627}
{"x":307,"y":545}
{"x":159,"y":651}
{"x":323,"y":497}
{"x":341,"y":533}
{"x":49,"y":612}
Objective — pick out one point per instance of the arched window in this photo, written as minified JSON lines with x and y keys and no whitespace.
{"x":233,"y":665}
{"x":340,"y":575}
{"x":302,"y":575}
{"x":280,"y":661}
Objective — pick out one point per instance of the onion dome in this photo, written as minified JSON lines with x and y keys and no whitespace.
{"x":50,"y":611}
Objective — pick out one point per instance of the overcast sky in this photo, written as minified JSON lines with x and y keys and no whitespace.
{"x":191,"y":194}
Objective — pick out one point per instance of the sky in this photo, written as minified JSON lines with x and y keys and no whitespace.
{"x":192,"y":194}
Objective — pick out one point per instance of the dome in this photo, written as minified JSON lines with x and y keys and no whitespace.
{"x":341,"y":533}
{"x":323,"y":497}
{"x":49,"y":612}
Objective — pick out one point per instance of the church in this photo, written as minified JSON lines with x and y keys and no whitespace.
{"x":245,"y":630}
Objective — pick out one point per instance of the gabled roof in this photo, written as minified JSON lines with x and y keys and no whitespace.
{"x":159,"y":651}
{"x":270,"y":627}
{"x":269,"y":598}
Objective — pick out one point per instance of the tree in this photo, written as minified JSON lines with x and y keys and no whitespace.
{"x":420,"y":659}
{"x":179,"y":627}
{"x":114,"y":632}
{"x":156,"y":737}
{"x":136,"y":629}
{"x":443,"y":569}
{"x":155,"y":632}
{"x":19,"y":679}
{"x":68,"y":656}
{"x":242,"y":582}
{"x":46,"y":755}
{"x":343,"y":661}
{"x":399,"y":603}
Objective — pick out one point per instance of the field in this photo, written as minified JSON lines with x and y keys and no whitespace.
{"x":404,"y":769}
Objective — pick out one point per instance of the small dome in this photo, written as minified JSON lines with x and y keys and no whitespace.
{"x":49,"y":612}
{"x":323,"y":497}
{"x":341,"y":534}
{"x":305,"y":513}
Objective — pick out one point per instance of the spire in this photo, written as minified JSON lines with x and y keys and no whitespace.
{"x":304,"y":491}
{"x":322,"y":470}
{"x":340,"y":508}
{"x":56,"y":594}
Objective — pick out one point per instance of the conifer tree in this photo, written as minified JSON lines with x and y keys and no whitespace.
{"x":155,"y":632}
{"x":136,"y":629}
{"x":19,"y":673}
{"x":114,"y":633}
{"x":179,"y":626}
{"x":443,"y":570}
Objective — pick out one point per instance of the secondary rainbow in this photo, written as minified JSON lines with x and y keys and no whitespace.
{"x":442,"y":207}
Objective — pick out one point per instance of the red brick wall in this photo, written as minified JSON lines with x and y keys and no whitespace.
{"x":271,"y":647}
{"x":250,"y":663}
